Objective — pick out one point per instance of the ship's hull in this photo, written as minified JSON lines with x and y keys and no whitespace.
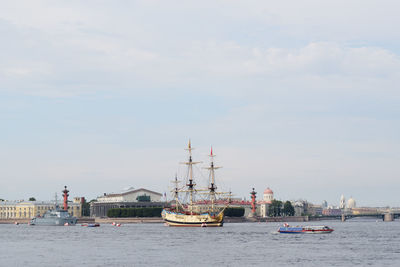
{"x":305,"y":230}
{"x":176,"y":219}
{"x":54,"y":221}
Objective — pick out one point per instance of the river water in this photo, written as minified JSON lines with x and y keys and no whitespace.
{"x":354,"y":242}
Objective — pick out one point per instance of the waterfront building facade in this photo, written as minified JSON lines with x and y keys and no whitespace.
{"x":332,"y":211}
{"x":324,"y":204}
{"x":300,"y":207}
{"x":268,"y":196}
{"x":367,"y":210}
{"x":131,"y":195}
{"x":342,"y":204}
{"x":131,"y":198}
{"x":30,"y":209}
{"x":314,"y":209}
{"x":351,"y":203}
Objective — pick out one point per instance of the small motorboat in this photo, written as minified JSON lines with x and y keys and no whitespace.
{"x":287,"y":229}
{"x":91,"y":224}
{"x":317,"y":229}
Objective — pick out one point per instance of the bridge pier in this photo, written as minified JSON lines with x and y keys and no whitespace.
{"x":388,"y":217}
{"x":343,"y":218}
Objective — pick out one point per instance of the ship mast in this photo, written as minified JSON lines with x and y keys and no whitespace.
{"x":212,"y":187}
{"x":190,"y":183}
{"x":55,"y":201}
{"x":176,"y":182}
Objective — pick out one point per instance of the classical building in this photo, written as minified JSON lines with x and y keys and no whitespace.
{"x":299,"y":207}
{"x":366,"y":210}
{"x":30,"y":209}
{"x":332,"y":212}
{"x":324,"y":204}
{"x":351,"y":203}
{"x":268,"y":196}
{"x":131,"y":198}
{"x":132,"y":195}
{"x":314,"y":209}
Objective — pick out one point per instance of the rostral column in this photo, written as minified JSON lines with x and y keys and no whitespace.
{"x":65,"y":195}
{"x":253,"y":203}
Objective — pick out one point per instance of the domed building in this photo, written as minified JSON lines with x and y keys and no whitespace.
{"x":351,"y":203}
{"x":268,"y":196}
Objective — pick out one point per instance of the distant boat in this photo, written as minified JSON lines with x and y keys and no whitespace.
{"x":56,"y":217}
{"x":91,"y":224}
{"x":287,"y":229}
{"x":189,"y":214}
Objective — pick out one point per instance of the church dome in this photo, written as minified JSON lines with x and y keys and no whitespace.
{"x":268,"y":191}
{"x":351,"y":203}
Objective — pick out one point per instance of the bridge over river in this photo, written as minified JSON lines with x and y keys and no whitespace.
{"x":387,"y":216}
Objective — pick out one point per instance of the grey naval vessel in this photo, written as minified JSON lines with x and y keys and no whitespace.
{"x":56,"y":216}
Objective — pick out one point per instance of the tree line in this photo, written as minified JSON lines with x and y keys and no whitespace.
{"x":275,"y":209}
{"x":278,"y":208}
{"x":134,"y":212}
{"x":156,"y":212}
{"x":234,"y":212}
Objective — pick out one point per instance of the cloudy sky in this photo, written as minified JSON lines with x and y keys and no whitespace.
{"x":299,"y":96}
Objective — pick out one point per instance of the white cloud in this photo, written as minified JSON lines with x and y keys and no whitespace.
{"x":149,"y":45}
{"x":324,"y":59}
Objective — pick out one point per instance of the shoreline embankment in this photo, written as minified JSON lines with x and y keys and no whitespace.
{"x":160,"y":220}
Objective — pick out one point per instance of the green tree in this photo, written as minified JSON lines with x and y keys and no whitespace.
{"x":275,"y":208}
{"x":139,"y":212}
{"x":113,"y":212}
{"x":32,"y":199}
{"x":147,"y":212}
{"x":135,"y":212}
{"x":157,"y":211}
{"x":288,"y":209}
{"x":234,"y":212}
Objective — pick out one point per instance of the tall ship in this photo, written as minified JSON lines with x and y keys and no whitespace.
{"x":57,"y":216}
{"x":191,"y":213}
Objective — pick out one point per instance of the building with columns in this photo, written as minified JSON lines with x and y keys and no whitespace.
{"x":351,"y":203}
{"x":268,"y":196}
{"x":30,"y":209}
{"x":130,"y":198}
{"x":131,"y":195}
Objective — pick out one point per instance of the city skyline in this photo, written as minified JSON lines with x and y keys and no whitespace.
{"x":298,"y":97}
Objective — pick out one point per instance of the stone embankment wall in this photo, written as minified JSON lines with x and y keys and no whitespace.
{"x":235,"y":219}
{"x":160,"y":220}
{"x":280,"y":219}
{"x":86,"y":220}
{"x":11,"y":221}
{"x":129,"y":220}
{"x":288,"y":219}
